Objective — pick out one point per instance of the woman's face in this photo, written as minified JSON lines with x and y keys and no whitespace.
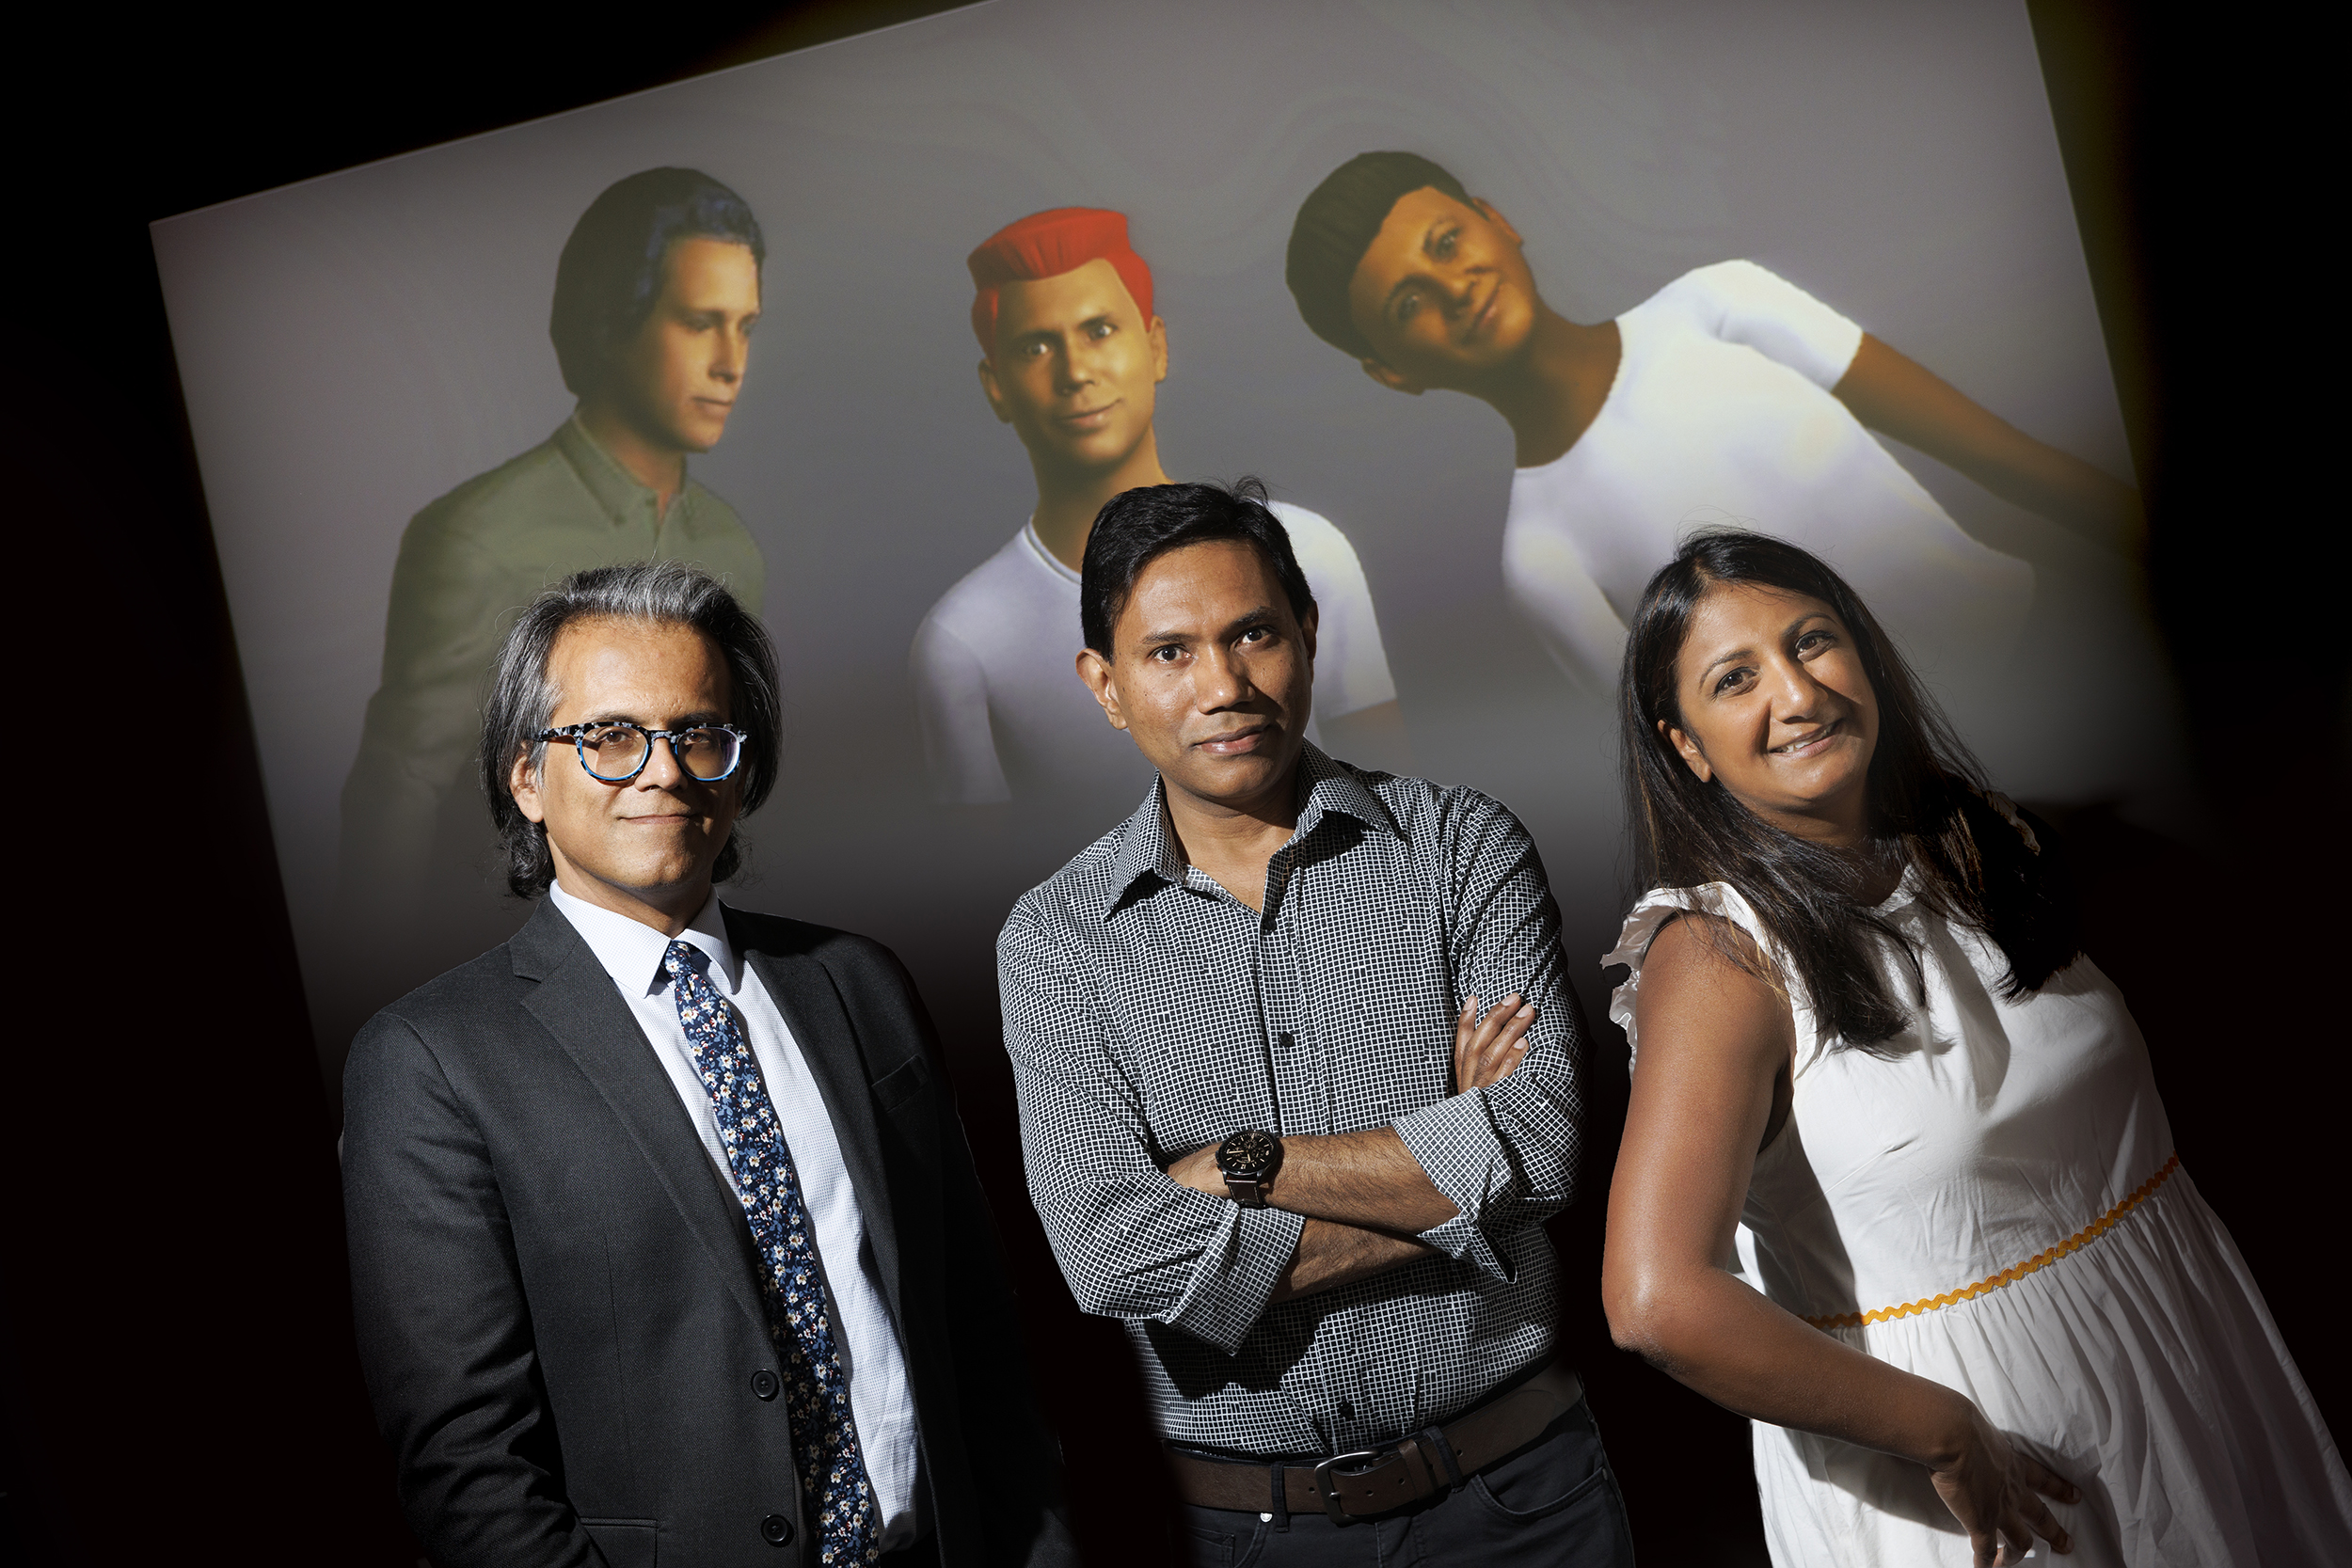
{"x":1776,"y":706}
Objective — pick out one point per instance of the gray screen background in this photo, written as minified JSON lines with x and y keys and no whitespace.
{"x":357,"y":345}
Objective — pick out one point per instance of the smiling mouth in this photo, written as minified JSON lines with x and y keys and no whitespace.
{"x":1085,"y":413}
{"x":1800,"y":747}
{"x":1238,"y":743}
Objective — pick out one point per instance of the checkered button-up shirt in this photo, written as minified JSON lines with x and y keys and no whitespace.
{"x":1149,"y":1012}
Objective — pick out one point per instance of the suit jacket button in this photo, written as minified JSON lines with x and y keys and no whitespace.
{"x":764,"y":1384}
{"x":775,"y":1530}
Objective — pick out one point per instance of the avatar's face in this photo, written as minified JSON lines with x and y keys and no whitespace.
{"x":656,"y":837}
{"x":1443,"y":294}
{"x":1211,"y":672}
{"x":1776,"y":704}
{"x":678,"y":377}
{"x":1076,"y":368}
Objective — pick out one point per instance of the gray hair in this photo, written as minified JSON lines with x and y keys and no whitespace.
{"x":523,"y":699}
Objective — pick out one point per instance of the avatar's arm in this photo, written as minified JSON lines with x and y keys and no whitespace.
{"x":1132,"y":1243}
{"x":1900,"y":397}
{"x":442,"y":632}
{"x":951,"y":708}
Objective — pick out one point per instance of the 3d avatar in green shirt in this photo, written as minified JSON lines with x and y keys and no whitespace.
{"x":656,"y":296}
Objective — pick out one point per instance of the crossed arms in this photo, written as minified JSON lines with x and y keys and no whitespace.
{"x":1365,"y":1196}
{"x":1114,"y":1126}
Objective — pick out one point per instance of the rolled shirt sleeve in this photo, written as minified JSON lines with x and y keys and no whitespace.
{"x":1132,"y":1243}
{"x":1506,"y":1155}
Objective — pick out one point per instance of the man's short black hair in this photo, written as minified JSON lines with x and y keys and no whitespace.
{"x":613,"y":266}
{"x":1138,"y":527}
{"x":1336,"y":224}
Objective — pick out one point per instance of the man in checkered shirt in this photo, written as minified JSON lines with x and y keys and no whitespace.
{"x":1268,"y":1124}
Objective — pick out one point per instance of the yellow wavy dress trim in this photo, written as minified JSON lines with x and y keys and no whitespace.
{"x":2082,"y":1238}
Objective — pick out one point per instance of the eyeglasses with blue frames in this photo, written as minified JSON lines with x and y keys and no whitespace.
{"x":614,"y":751}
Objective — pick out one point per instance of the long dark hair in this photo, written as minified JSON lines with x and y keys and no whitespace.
{"x":1928,"y":809}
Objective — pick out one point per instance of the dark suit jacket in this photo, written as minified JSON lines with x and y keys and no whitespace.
{"x":557,"y":1297}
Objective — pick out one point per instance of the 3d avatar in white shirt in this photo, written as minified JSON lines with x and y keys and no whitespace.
{"x":1073,"y":359}
{"x":1730,"y":397}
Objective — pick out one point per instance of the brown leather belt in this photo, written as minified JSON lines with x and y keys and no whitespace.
{"x":1398,"y":1474}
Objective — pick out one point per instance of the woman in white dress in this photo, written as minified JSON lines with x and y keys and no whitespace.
{"x":1895,"y":1181}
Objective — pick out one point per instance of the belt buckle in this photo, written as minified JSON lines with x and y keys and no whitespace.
{"x":1331,"y":1493}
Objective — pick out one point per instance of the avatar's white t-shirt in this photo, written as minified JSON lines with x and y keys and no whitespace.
{"x":1721,"y":413}
{"x":997,"y":686}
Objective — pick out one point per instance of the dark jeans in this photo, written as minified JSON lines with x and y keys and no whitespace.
{"x":1554,"y":1504}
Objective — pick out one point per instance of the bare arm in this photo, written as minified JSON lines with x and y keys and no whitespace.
{"x":1903,"y":399}
{"x":1716,"y":1044}
{"x":1333,"y":1255}
{"x":1369,"y":1180}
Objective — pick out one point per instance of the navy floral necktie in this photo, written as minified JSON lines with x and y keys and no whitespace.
{"x":817,"y":1395}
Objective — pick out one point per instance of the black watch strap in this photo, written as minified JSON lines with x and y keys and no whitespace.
{"x":1247,"y":1161}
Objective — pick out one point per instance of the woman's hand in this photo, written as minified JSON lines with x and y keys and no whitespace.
{"x":1996,"y":1493}
{"x":1486,"y":1050}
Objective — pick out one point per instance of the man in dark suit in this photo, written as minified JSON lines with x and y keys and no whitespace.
{"x":665,"y":1240}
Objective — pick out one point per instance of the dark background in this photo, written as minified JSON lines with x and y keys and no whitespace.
{"x":177,"y":1374}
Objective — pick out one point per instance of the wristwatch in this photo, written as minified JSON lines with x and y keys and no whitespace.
{"x":1249,"y":1160}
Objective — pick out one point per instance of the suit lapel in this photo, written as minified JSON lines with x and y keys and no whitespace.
{"x":578,"y":1004}
{"x":803,"y":993}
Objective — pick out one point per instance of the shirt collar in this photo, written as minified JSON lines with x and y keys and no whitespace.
{"x":615,"y":489}
{"x":1051,"y":561}
{"x":1147,"y":841}
{"x":632,"y":953}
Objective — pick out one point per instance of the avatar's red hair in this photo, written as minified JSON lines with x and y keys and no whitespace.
{"x":1046,"y":244}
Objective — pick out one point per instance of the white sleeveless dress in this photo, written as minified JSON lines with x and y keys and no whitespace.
{"x":2000,"y":1207}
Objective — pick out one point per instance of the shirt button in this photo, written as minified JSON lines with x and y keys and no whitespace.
{"x":775,"y":1530}
{"x":764,"y":1384}
{"x":1283,"y":1040}
{"x":1347,"y":1411}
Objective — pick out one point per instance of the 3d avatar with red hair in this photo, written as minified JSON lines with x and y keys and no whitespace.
{"x":1072,"y":353}
{"x":1046,"y":244}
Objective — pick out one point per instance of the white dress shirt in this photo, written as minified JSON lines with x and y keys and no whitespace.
{"x":880,"y":1403}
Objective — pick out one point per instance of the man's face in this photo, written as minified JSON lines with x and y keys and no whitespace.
{"x":1076,"y":368}
{"x":1443,"y":294}
{"x":1211,"y":672}
{"x":654,"y":839}
{"x":676,"y":379}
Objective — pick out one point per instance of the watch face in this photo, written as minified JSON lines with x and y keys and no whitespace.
{"x":1246,"y":1152}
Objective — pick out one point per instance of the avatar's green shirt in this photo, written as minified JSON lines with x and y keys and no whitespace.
{"x":469,"y":565}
